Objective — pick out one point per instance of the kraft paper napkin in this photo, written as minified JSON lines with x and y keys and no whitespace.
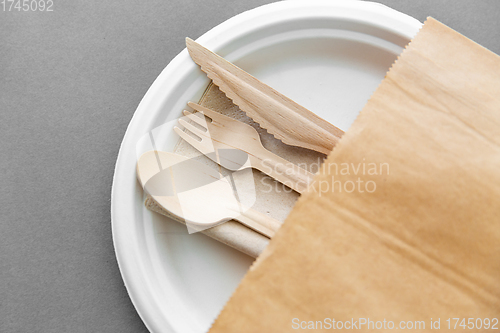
{"x":425,"y":245}
{"x":276,"y":203}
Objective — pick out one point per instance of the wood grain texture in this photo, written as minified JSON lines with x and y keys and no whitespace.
{"x":279,"y":115}
{"x":277,"y":205}
{"x":197,"y":193}
{"x":223,"y":139}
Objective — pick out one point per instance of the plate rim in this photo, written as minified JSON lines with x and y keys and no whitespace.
{"x":126,"y":254}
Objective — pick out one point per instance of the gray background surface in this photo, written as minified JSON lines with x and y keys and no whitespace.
{"x":70,"y":81}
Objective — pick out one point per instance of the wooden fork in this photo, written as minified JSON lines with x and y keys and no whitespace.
{"x":223,"y":139}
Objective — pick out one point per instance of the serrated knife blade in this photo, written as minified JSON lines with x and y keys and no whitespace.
{"x":279,"y":115}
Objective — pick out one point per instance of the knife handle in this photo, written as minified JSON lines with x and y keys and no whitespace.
{"x":282,"y":170}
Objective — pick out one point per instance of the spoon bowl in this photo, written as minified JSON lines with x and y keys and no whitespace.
{"x":197,"y":193}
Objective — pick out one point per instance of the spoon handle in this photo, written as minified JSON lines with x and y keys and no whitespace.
{"x":259,"y":222}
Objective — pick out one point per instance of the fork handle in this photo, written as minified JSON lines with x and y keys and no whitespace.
{"x":282,"y":170}
{"x":259,"y":222}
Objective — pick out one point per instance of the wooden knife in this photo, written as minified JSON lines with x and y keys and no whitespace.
{"x":279,"y":115}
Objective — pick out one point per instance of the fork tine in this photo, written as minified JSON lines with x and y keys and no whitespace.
{"x":191,"y":116}
{"x":209,"y":113}
{"x":200,"y":133}
{"x":192,"y":141}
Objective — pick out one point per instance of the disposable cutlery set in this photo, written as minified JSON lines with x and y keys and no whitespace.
{"x":396,"y":239}
{"x":206,"y":195}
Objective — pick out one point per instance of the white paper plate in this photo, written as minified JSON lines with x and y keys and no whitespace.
{"x":327,"y":55}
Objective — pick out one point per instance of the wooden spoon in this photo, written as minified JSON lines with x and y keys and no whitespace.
{"x":197,"y":193}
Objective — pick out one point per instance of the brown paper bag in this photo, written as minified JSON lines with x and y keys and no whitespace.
{"x":402,"y":225}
